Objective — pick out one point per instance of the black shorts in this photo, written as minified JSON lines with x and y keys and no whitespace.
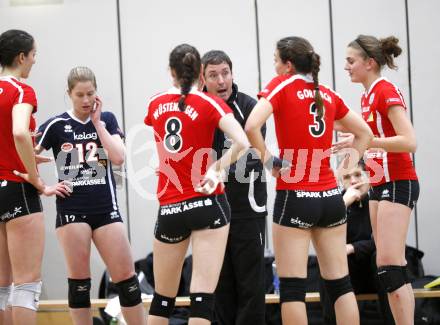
{"x":306,"y":209}
{"x":93,"y":220}
{"x":175,"y":221}
{"x":17,"y":200}
{"x":405,"y":192}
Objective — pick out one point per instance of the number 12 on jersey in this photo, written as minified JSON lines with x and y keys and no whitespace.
{"x":88,"y":153}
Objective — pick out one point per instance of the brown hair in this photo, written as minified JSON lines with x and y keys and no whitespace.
{"x":300,"y":53}
{"x":185,"y":61}
{"x":383,"y":50}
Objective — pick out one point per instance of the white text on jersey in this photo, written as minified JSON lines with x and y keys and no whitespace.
{"x":173,"y":107}
{"x":308,"y":93}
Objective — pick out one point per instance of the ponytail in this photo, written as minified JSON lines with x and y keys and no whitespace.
{"x":185,"y":61}
{"x":315,"y":64}
{"x":390,"y":49}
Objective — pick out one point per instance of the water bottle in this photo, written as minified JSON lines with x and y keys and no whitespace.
{"x":276,"y":279}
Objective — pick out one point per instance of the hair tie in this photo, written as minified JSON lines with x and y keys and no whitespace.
{"x":317,"y":88}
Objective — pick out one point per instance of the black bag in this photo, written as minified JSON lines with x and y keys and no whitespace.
{"x":427,"y":310}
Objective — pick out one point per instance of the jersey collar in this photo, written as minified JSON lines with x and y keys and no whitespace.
{"x":367,"y":93}
{"x":306,"y":77}
{"x":73,"y":117}
{"x":9,"y":77}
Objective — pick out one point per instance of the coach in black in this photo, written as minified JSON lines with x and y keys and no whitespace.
{"x":240,"y":294}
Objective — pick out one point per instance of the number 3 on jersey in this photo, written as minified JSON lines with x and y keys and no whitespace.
{"x":318,"y":127}
{"x":173,"y":140}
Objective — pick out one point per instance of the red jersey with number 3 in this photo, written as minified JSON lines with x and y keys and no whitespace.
{"x":12,"y":92}
{"x":184,"y":141}
{"x":303,"y":138}
{"x":385,"y":166}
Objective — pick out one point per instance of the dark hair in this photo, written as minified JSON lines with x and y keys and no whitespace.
{"x":362,"y":164}
{"x":300,"y":53}
{"x":80,"y":74}
{"x":383,"y":50}
{"x":216,"y":57}
{"x":185,"y":62}
{"x":12,"y":43}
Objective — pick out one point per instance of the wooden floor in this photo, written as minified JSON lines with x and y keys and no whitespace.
{"x":54,"y":312}
{"x":56,"y":317}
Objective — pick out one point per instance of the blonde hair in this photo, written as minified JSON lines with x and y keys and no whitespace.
{"x":80,"y":74}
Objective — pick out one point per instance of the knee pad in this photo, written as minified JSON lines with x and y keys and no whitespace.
{"x":4,"y":297}
{"x":292,"y":289}
{"x":26,"y":295}
{"x":79,"y":293}
{"x":202,"y":305}
{"x":392,"y":277}
{"x":162,"y":306}
{"x":129,"y":292}
{"x":338,"y":287}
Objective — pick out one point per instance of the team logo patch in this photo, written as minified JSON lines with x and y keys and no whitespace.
{"x":385,"y":193}
{"x":370,"y":101}
{"x":370,"y":117}
{"x":114,"y":215}
{"x":66,"y":147}
{"x":67,"y":128}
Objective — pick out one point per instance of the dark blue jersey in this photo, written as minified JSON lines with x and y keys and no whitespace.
{"x":81,"y":159}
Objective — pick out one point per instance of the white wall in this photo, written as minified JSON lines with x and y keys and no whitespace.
{"x":425,"y":68}
{"x":85,"y":33}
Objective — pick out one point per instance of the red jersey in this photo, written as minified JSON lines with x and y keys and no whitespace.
{"x":385,"y":166}
{"x":184,"y":141}
{"x":303,"y":139}
{"x":12,"y":92}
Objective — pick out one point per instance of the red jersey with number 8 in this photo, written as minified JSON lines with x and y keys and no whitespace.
{"x":184,"y":141}
{"x":12,"y":92}
{"x":303,"y":138}
{"x":385,"y":166}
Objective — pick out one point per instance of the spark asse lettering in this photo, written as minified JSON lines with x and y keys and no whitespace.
{"x":100,"y":181}
{"x":183,"y":206}
{"x":308,"y":194}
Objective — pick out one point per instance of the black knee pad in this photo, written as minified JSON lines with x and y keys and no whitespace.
{"x":292,"y":289}
{"x":392,"y":277}
{"x":338,"y":287}
{"x":202,"y":305}
{"x":162,"y":306}
{"x":79,"y":293}
{"x":129,"y":292}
